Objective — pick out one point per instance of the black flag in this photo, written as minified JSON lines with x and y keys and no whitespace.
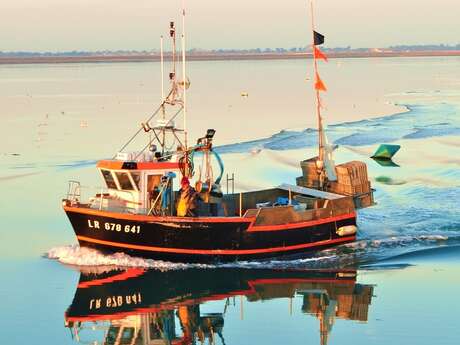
{"x":318,"y":39}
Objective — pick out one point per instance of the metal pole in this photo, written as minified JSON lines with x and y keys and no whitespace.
{"x":318,"y":100}
{"x":162,"y":95}
{"x":100,"y":206}
{"x":184,"y":77}
{"x":241,"y":204}
{"x":162,"y":72}
{"x":171,"y":198}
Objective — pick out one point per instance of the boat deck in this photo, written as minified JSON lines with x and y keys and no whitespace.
{"x":263,"y":207}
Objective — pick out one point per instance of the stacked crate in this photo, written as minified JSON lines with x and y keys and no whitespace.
{"x":344,"y":305}
{"x":310,"y":176}
{"x":352,"y":180}
{"x":355,"y":306}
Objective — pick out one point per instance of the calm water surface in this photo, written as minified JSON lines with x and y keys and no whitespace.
{"x":57,"y":120}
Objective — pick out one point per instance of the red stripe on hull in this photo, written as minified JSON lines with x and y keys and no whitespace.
{"x":217,"y":251}
{"x":300,"y":224}
{"x":298,"y":281}
{"x":131,"y":273}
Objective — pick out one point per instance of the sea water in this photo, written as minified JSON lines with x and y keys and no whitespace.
{"x":58,"y":120}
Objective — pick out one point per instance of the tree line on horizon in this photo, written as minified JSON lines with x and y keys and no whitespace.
{"x":396,"y":48}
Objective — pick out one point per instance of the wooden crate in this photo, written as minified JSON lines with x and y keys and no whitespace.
{"x":348,"y":180}
{"x":344,"y":303}
{"x":310,"y":183}
{"x":366,"y":187}
{"x":343,"y":189}
{"x":310,"y":171}
{"x":355,"y":170}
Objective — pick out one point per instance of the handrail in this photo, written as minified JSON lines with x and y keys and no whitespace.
{"x":74,"y":191}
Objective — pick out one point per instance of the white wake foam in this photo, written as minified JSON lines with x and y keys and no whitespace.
{"x":85,"y":257}
{"x":80,"y":256}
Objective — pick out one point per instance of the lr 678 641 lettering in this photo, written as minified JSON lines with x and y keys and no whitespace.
{"x":95,"y":224}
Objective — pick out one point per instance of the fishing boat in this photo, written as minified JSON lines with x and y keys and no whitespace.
{"x":136,"y":211}
{"x":134,"y":306}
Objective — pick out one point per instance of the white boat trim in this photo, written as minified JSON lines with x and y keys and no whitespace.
{"x":310,"y":192}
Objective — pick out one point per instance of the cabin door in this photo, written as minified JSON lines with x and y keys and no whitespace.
{"x":153,"y":191}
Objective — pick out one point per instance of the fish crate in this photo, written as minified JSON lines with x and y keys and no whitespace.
{"x":344,"y":189}
{"x":309,"y":168}
{"x":359,"y":311}
{"x":348,"y":180}
{"x":307,"y":182}
{"x":344,"y":303}
{"x":354,"y":172}
{"x":366,"y":187}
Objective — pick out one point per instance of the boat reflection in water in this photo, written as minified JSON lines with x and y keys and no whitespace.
{"x":137,"y":306}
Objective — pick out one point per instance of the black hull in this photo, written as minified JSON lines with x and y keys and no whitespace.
{"x":208,"y":240}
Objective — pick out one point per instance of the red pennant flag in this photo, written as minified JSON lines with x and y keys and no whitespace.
{"x":319,"y":54}
{"x":319,"y":85}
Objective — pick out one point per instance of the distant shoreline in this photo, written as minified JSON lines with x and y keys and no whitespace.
{"x":4,"y":60}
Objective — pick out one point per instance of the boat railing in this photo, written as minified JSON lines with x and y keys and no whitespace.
{"x":74,"y":192}
{"x":80,"y":194}
{"x":96,"y":197}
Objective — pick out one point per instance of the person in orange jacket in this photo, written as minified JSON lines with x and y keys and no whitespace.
{"x":187,"y":200}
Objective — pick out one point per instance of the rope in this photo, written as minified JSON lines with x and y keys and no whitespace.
{"x":183,"y":164}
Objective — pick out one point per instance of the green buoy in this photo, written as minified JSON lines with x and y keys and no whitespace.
{"x":386,"y":151}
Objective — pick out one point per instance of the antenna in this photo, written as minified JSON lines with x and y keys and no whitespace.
{"x":184,"y":77}
{"x":162,"y":75}
{"x":172,"y":34}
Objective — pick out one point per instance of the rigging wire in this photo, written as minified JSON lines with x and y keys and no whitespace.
{"x":161,"y":106}
{"x":140,"y":129}
{"x":150,"y":141}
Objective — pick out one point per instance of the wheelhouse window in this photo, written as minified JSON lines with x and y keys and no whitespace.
{"x":124,"y":181}
{"x":136,"y":178}
{"x":109,"y":180}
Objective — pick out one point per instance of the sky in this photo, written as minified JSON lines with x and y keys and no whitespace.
{"x":62,"y":25}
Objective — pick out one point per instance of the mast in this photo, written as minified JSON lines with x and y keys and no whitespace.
{"x":184,"y":96}
{"x":172,"y":98}
{"x":162,"y":95}
{"x":184,"y":77}
{"x":318,"y":99}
